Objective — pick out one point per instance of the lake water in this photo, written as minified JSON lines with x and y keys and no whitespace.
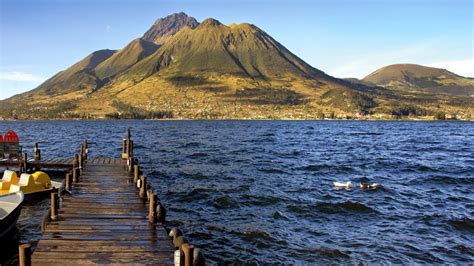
{"x":261,"y":191}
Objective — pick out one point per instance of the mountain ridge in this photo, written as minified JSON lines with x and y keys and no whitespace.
{"x":181,"y":68}
{"x":421,"y":78}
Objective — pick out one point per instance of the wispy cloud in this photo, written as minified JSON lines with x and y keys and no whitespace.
{"x":460,"y":67}
{"x":19,"y":76}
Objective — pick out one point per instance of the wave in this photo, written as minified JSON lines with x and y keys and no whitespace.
{"x":319,"y":167}
{"x":260,"y":238}
{"x":366,"y":133}
{"x":261,"y":200}
{"x":190,"y":145}
{"x":419,"y":168}
{"x":224,"y":202}
{"x":445,"y":179}
{"x":197,"y":155}
{"x":195,"y":175}
{"x":345,"y":207}
{"x":462,"y":224}
{"x":271,"y":171}
{"x":196,"y":194}
{"x":322,"y":252}
{"x":279,"y":216}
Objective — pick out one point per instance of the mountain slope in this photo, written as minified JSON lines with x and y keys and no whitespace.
{"x":165,"y":28}
{"x":421,"y":78}
{"x":79,"y":76}
{"x":125,"y":58}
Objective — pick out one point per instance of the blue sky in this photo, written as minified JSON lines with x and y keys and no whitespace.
{"x":344,"y":38}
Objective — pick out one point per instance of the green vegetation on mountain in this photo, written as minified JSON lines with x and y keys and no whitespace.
{"x":184,"y":69}
{"x":125,"y":58}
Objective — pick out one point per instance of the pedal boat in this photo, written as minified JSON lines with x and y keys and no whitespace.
{"x":30,"y":184}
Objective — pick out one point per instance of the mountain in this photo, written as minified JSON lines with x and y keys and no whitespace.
{"x":79,"y":76}
{"x":165,"y":28}
{"x":184,"y":69}
{"x":125,"y":58}
{"x":421,"y":78}
{"x":213,"y":48}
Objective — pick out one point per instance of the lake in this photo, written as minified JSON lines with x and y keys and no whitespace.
{"x":261,"y":191}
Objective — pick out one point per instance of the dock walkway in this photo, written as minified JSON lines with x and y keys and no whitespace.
{"x":104,"y":221}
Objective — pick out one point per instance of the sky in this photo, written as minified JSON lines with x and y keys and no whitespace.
{"x":344,"y":38}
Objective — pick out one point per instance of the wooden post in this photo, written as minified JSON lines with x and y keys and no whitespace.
{"x":25,"y":162}
{"x":130,"y":164}
{"x":135,"y":175}
{"x":54,"y":205}
{"x":75,"y":177}
{"x":126,"y":148}
{"x":68,"y":182}
{"x":188,"y":251}
{"x":80,"y":158}
{"x":37,"y":152}
{"x":24,"y":255}
{"x":81,"y":154}
{"x":78,"y":166}
{"x":160,"y":212}
{"x":152,"y":208}
{"x":142,"y":193}
{"x":86,"y":149}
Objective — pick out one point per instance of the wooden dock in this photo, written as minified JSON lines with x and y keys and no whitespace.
{"x":104,"y":221}
{"x":61,"y":163}
{"x":108,"y":215}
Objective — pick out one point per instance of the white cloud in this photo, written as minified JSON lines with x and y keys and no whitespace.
{"x":19,"y":76}
{"x":460,"y":67}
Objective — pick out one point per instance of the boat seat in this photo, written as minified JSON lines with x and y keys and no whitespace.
{"x":9,"y":177}
{"x":27,"y":184}
{"x":43,"y":178}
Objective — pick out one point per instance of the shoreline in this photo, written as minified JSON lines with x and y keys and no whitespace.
{"x":243,"y":119}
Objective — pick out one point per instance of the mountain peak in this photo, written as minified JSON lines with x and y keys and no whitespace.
{"x":211,"y":22}
{"x":165,"y":28}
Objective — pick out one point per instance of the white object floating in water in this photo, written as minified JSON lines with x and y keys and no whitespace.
{"x":347,"y":184}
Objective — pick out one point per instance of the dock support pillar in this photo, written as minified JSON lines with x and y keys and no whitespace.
{"x":86,"y":149}
{"x":127,"y":146}
{"x":75,"y":169}
{"x":142,"y":192}
{"x":68,"y":182}
{"x":24,"y":255}
{"x":24,"y":165}
{"x":152,"y":207}
{"x":37,"y":152}
{"x":54,"y":205}
{"x":81,"y":156}
{"x":135,"y":174}
{"x":130,"y":164}
{"x":188,"y":251}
